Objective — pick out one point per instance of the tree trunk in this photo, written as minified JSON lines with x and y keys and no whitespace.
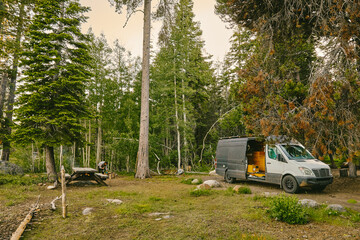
{"x":352,"y":170}
{"x":74,"y":155}
{"x":88,"y":147}
{"x":127,"y":163}
{"x":50,"y":163}
{"x":3,"y":86}
{"x":185,"y":161}
{"x":12,"y":84}
{"x":61,"y":155}
{"x":98,"y":144}
{"x":142,"y":170}
{"x":177,"y":125}
{"x":333,"y":166}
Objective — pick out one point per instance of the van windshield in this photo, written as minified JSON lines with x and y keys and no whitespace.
{"x":296,"y":152}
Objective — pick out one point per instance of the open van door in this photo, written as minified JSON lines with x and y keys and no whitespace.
{"x":237,"y":162}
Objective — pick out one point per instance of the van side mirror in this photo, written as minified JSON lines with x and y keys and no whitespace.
{"x":280,"y":158}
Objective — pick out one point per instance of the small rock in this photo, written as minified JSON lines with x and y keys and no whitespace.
{"x":116,"y":201}
{"x":204,"y":186}
{"x":195,"y":181}
{"x":212,"y":173}
{"x":180,"y":171}
{"x":158,"y":219}
{"x":166,"y":217}
{"x":87,"y":211}
{"x":309,"y":203}
{"x":52,"y":187}
{"x":270,"y":194}
{"x":212,"y":183}
{"x":157,"y":214}
{"x":336,"y":207}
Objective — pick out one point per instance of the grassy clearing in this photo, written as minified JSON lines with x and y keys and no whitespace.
{"x":216,"y":214}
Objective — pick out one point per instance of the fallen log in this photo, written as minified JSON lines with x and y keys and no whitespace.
{"x":19,"y":231}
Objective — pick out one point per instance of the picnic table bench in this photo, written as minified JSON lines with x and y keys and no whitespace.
{"x":86,"y":174}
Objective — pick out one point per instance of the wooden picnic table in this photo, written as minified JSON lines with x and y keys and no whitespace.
{"x":86,"y":174}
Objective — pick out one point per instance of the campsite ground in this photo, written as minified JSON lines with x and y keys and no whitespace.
{"x":219,"y":215}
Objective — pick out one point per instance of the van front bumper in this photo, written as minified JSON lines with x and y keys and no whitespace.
{"x":305,"y":181}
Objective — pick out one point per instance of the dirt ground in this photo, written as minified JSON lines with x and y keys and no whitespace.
{"x":340,"y":192}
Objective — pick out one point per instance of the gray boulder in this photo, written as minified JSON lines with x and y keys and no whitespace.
{"x":309,"y":203}
{"x":336,"y":207}
{"x":212,"y":183}
{"x":10,"y":168}
{"x":212,"y":173}
{"x":195,"y":181}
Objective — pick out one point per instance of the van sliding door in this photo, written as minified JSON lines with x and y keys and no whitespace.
{"x":237,"y":162}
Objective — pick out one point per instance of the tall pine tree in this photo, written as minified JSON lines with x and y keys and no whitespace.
{"x":52,"y":94}
{"x":183,"y":74}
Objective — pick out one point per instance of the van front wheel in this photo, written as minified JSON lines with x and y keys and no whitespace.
{"x":229,"y":179}
{"x":290,"y":184}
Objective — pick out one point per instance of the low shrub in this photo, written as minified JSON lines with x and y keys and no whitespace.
{"x":244,"y":190}
{"x":200,"y":192}
{"x":332,"y":212}
{"x":353,"y":201}
{"x":287,"y":209}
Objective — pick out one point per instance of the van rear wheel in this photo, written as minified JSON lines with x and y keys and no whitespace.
{"x":229,"y":179}
{"x":290,"y":184}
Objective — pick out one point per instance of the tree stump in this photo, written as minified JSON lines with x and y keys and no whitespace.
{"x":343,"y":172}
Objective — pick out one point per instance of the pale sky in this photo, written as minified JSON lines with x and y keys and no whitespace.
{"x":104,"y":19}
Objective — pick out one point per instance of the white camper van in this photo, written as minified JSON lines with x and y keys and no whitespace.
{"x":273,"y":160}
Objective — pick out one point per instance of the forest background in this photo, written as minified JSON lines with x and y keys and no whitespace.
{"x":72,"y":98}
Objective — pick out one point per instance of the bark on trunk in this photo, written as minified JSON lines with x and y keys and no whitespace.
{"x":12,"y":85}
{"x":333,"y":166}
{"x":142,"y":170}
{"x":185,"y":161}
{"x":352,"y":169}
{"x":61,"y":155}
{"x":177,"y":125}
{"x":3,"y":86}
{"x":98,"y":145}
{"x":50,"y":163}
{"x":88,"y":147}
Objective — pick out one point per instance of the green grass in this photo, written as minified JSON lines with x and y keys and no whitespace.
{"x":353,"y":201}
{"x":200,"y":214}
{"x":25,"y":180}
{"x":189,"y":181}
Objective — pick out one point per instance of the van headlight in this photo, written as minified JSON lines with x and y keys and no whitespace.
{"x":306,"y":171}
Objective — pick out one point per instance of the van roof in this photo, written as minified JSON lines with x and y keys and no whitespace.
{"x":269,"y":139}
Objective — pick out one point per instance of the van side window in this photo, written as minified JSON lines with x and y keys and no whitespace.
{"x":272,"y":152}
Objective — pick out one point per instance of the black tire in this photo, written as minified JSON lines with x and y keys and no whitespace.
{"x":229,"y":179}
{"x":290,"y":184}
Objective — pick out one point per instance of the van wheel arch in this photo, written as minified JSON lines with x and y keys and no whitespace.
{"x":289,"y":184}
{"x":227,"y":178}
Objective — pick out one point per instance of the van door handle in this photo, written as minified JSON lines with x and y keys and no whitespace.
{"x":268,"y":163}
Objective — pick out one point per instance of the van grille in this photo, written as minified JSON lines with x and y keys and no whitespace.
{"x":323,"y":172}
